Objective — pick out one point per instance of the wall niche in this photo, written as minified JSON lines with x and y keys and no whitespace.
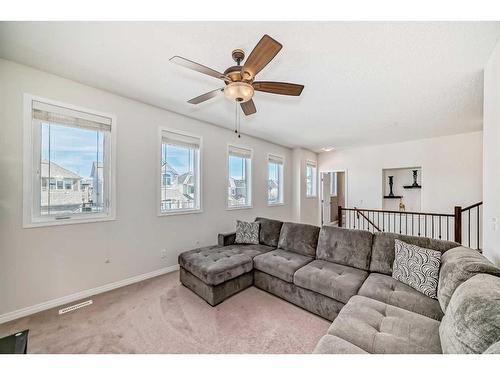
{"x":405,"y":194}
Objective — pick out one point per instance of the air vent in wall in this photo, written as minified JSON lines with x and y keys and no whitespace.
{"x":74,"y":307}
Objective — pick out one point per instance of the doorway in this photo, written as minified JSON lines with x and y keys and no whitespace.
{"x":333,"y":195}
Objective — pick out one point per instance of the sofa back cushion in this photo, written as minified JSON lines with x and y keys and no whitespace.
{"x":349,"y":247}
{"x":299,"y":238}
{"x":383,"y":249}
{"x":457,"y":266}
{"x":471,"y":323}
{"x":269,"y":231}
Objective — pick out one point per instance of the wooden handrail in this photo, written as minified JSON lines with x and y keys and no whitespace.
{"x":367,"y":219}
{"x":472,"y":206}
{"x":398,"y":212}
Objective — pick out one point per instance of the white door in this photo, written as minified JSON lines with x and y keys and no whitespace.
{"x":325,"y":198}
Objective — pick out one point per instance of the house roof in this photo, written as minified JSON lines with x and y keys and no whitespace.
{"x":56,"y":171}
{"x":186,"y":178}
{"x":166,"y":167}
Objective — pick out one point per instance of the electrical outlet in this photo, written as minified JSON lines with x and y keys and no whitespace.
{"x":163,"y":253}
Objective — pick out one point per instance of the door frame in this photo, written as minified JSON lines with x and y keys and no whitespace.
{"x":321,"y":190}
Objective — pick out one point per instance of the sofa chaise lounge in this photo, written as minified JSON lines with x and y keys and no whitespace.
{"x":345,"y":276}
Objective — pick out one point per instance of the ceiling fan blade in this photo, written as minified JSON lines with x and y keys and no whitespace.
{"x":261,"y":55}
{"x":248,"y":107}
{"x":198,"y":67}
{"x":204,"y":97}
{"x":280,"y":88}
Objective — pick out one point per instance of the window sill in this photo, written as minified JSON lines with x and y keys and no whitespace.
{"x":275,"y":204}
{"x":238,"y":208}
{"x":71,"y":221}
{"x":311,"y":196}
{"x":181,"y":212}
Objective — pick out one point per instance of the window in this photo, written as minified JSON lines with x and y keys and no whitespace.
{"x":239,"y":171}
{"x":275,"y":180}
{"x":310,"y":179}
{"x":180,"y":173}
{"x":65,"y":145}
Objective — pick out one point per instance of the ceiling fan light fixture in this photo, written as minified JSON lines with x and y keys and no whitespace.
{"x":240,"y":92}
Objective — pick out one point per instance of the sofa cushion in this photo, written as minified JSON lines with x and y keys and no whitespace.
{"x":330,"y":279}
{"x":382,"y":257}
{"x":247,"y":233}
{"x":493,"y":349}
{"x":417,"y":267}
{"x":472,"y":320}
{"x":350,"y":247}
{"x":459,"y":265}
{"x":330,"y":344}
{"x":269,"y":231}
{"x":281,"y":263}
{"x":214,"y":265}
{"x":377,"y":327}
{"x":299,"y":238}
{"x":393,"y":292}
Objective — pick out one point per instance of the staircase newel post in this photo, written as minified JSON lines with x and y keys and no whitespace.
{"x":458,"y":224}
{"x":339,"y":214}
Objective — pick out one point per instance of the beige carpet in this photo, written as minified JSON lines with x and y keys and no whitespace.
{"x":160,"y":315}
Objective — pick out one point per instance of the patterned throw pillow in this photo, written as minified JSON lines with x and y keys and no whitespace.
{"x":247,"y":232}
{"x":417,"y":267}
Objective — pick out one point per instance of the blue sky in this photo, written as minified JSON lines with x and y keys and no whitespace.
{"x":72,"y":148}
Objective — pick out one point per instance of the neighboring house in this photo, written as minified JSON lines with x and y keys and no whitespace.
{"x":96,"y":176}
{"x":237,"y":192}
{"x":273,"y":191}
{"x":60,"y":188}
{"x":177,"y":191}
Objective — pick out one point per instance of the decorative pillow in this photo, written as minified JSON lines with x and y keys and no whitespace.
{"x":247,"y":232}
{"x":417,"y":267}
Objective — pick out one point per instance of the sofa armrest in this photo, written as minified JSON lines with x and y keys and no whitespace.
{"x":225,"y":239}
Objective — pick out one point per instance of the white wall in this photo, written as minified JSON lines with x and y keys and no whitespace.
{"x":491,"y":166}
{"x":451,"y":170}
{"x":305,"y":209}
{"x":40,"y":264}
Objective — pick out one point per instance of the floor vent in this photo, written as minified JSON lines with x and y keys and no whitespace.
{"x":74,"y":307}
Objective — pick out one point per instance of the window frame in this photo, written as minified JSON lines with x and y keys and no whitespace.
{"x":314,"y":165}
{"x":198,"y":169}
{"x":31,"y":151}
{"x":248,"y":175}
{"x":281,"y":187}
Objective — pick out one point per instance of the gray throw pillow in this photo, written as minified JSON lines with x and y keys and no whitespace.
{"x":247,"y":233}
{"x":417,"y":267}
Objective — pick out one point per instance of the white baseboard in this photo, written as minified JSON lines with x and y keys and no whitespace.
{"x":83,"y":294}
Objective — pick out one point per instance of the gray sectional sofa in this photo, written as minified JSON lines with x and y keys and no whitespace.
{"x":345,"y":276}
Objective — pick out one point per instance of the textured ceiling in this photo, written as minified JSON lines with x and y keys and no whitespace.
{"x":365,"y":82}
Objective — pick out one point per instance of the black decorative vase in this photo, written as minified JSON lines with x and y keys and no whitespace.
{"x":415,"y":183}
{"x":391,"y":182}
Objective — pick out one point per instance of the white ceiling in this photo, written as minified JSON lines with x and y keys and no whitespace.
{"x":365,"y":82}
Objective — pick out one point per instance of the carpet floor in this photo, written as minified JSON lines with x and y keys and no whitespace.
{"x":160,"y":315}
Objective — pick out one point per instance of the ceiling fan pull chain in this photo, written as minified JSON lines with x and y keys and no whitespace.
{"x":236,"y":118}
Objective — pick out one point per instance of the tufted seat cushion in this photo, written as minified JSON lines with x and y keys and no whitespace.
{"x":377,"y":327}
{"x":330,"y":279}
{"x":215,"y":265}
{"x":281,"y":263}
{"x":393,"y":292}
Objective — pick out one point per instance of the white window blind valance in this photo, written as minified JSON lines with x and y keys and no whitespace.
{"x":69,"y":117}
{"x":275,"y":159}
{"x":182,"y":140}
{"x":239,"y":152}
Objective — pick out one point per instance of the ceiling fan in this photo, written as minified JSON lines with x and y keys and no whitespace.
{"x":239,"y":80}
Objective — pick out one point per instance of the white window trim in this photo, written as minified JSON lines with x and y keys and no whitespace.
{"x":28,"y":154}
{"x":250,"y":187}
{"x":179,"y":211}
{"x":315,"y":180}
{"x":282,"y":187}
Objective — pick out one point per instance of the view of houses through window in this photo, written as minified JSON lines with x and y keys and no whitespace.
{"x":69,"y":176}
{"x":239,"y":177}
{"x":275,"y":180}
{"x":179,"y":172}
{"x":311,"y":179}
